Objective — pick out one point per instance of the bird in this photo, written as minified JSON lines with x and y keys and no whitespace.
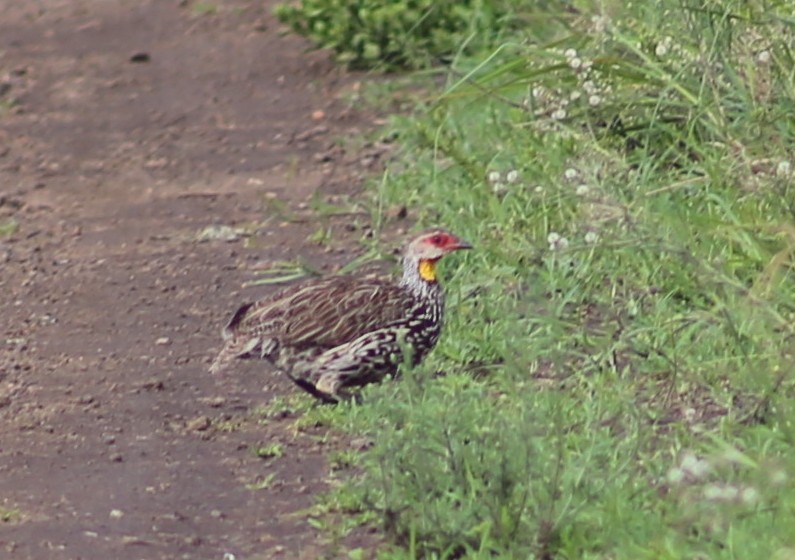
{"x":335,"y":334}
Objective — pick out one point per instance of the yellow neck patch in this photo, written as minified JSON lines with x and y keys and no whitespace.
{"x":428,"y":270}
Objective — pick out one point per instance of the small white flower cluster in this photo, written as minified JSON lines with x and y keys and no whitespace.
{"x":691,"y":469}
{"x":582,"y":189}
{"x":783,"y":169}
{"x":576,"y":63}
{"x":500,"y":186}
{"x":674,"y":52}
{"x":557,"y":242}
{"x":555,"y":103}
{"x":592,"y":91}
{"x":573,"y":175}
{"x":600,"y":24}
{"x":696,"y":481}
{"x":763,"y":57}
{"x":546,"y":102}
{"x":748,"y":495}
{"x":664,"y":47}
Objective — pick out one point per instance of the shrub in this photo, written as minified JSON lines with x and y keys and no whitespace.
{"x":398,"y":33}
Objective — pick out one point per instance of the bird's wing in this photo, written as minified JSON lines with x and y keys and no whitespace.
{"x":324,"y":313}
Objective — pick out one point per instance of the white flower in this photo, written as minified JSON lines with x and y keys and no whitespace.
{"x":675,"y":476}
{"x":512,"y":176}
{"x":570,"y":53}
{"x":594,"y":100}
{"x":763,"y":57}
{"x":575,"y":95}
{"x":663,"y":47}
{"x":575,"y":63}
{"x":582,"y":190}
{"x":557,"y":242}
{"x":749,"y":496}
{"x":570,"y":174}
{"x":713,"y":492}
{"x":599,"y":23}
{"x":695,"y":467}
{"x":778,"y":477}
{"x":558,"y":115}
{"x":539,"y":189}
{"x":590,"y":87}
{"x":591,"y":237}
{"x":730,"y":493}
{"x":783,"y":169}
{"x":493,"y":176}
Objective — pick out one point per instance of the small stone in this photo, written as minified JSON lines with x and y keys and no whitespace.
{"x":199,"y":424}
{"x":153,"y":384}
{"x":116,"y":514}
{"x":362,"y":444}
{"x":163,"y":341}
{"x":221,"y":233}
{"x":116,"y":458}
{"x":216,"y":402}
{"x":140,"y":57}
{"x":398,"y":212}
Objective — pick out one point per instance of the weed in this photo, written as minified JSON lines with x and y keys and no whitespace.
{"x":262,"y":483}
{"x":8,"y":515}
{"x":269,"y":451}
{"x":8,"y":227}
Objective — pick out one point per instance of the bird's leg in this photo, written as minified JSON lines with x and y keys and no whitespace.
{"x":320,"y":394}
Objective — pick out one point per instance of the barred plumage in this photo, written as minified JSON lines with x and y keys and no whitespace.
{"x":334,"y":334}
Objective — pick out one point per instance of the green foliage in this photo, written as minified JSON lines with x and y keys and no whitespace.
{"x":618,"y":360}
{"x":397,"y":33}
{"x":464,"y":470}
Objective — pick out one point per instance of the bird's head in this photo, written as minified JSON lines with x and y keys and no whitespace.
{"x":425,"y":250}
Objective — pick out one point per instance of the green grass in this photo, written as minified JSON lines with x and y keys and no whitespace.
{"x":8,"y":227}
{"x":616,"y":375}
{"x":10,"y":515}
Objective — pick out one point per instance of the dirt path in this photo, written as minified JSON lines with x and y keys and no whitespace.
{"x":125,"y":128}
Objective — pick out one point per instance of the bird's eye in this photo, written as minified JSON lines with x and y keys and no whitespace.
{"x":437,"y":239}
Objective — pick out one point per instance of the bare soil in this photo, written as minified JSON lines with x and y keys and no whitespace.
{"x":126,"y":129}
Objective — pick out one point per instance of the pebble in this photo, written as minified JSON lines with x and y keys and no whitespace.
{"x":199,"y":424}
